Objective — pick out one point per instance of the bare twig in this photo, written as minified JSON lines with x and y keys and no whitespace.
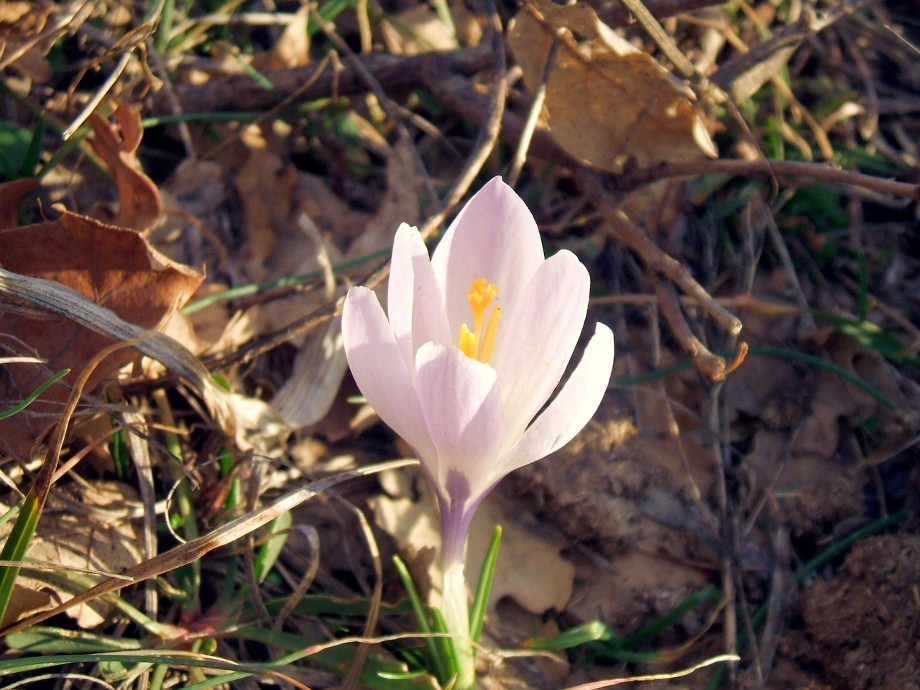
{"x":520,"y":154}
{"x":135,"y":425}
{"x":625,"y":231}
{"x":127,"y":44}
{"x":396,"y":74}
{"x":712,"y":366}
{"x":789,"y":37}
{"x":662,"y":39}
{"x":169,"y":92}
{"x":373,"y":615}
{"x":779,"y":246}
{"x":764,"y":168}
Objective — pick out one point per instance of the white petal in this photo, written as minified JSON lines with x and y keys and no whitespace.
{"x":494,"y":237}
{"x":573,"y":407}
{"x":414,"y":301}
{"x":378,"y":368}
{"x":463,"y":410}
{"x":536,"y":340}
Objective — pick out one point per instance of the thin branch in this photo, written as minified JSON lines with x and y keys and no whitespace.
{"x":625,"y":231}
{"x":764,"y":168}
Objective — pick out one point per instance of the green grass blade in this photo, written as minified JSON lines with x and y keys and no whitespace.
{"x":33,"y":396}
{"x":840,"y":372}
{"x":446,"y":650}
{"x":252,"y":289}
{"x":593,"y":631}
{"x":40,"y":639}
{"x":710,"y":594}
{"x":270,"y":551}
{"x":765,"y":350}
{"x":16,"y":546}
{"x":432,"y":648}
{"x":484,"y":586}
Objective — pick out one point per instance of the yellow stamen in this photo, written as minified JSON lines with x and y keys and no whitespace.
{"x":467,"y":342}
{"x":481,"y":295}
{"x":479,"y":343}
{"x":487,"y":348}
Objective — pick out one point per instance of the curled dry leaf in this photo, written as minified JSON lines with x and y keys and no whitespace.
{"x":11,"y":193}
{"x":116,"y":143}
{"x":606,"y":103}
{"x":117,"y":269}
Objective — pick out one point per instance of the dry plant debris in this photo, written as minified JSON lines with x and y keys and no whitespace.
{"x":607,"y":102}
{"x":200,"y":186}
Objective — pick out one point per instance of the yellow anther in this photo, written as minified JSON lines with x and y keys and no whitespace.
{"x":479,"y":343}
{"x":467,"y":342}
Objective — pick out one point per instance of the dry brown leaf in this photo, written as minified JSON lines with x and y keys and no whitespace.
{"x":402,"y":204}
{"x":612,"y":104}
{"x":293,"y":47}
{"x":113,"y":266}
{"x":72,"y":535}
{"x":11,"y":194}
{"x":116,"y":143}
{"x":530,"y":568}
{"x":417,"y":29}
{"x":266,"y":186}
{"x":22,"y":45}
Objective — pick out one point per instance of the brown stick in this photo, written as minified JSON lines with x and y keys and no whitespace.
{"x":764,"y":168}
{"x":626,"y":232}
{"x":616,"y":14}
{"x":396,"y":74}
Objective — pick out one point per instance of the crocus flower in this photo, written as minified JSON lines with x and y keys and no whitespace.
{"x":475,"y":342}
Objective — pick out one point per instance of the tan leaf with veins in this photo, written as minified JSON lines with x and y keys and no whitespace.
{"x":75,"y":533}
{"x":606,"y":102}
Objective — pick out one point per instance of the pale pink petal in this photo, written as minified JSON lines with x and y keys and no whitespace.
{"x":536,"y":340}
{"x":463,"y":410}
{"x":414,"y":301}
{"x":494,"y":237}
{"x":572,"y":408}
{"x":378,"y":368}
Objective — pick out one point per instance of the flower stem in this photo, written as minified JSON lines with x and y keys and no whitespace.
{"x":455,"y":610}
{"x":456,"y":516}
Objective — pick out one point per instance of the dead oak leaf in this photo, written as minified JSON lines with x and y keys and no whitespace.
{"x":116,"y":143}
{"x":606,"y":102}
{"x":11,"y":194}
{"x":116,"y":268}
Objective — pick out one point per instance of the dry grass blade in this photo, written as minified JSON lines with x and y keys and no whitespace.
{"x":597,"y":685}
{"x":195,"y":549}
